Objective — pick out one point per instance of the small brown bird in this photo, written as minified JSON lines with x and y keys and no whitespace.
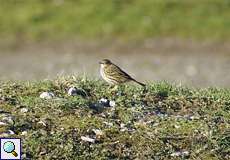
{"x":113,"y":74}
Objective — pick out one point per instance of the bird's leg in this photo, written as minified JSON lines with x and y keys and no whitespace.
{"x":115,"y":88}
{"x":110,"y":86}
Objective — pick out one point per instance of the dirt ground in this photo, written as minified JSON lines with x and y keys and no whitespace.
{"x":182,"y":62}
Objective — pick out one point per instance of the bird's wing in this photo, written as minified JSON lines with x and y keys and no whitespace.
{"x":117,"y":73}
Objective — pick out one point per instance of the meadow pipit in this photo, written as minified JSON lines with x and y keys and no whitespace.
{"x":113,"y":74}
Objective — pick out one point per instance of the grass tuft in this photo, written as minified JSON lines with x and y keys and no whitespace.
{"x":163,"y":121}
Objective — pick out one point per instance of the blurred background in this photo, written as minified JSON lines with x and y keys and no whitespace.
{"x":184,"y":42}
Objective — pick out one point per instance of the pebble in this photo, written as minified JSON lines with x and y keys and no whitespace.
{"x":193,"y":117}
{"x":6,"y":134}
{"x":123,"y":128}
{"x":6,"y":118}
{"x":112,"y":103}
{"x":176,"y":126}
{"x":97,"y":107}
{"x":73,"y":91}
{"x":46,"y":95}
{"x":42,"y":123}
{"x":24,"y":133}
{"x":106,"y":102}
{"x":87,"y":139}
{"x":101,"y":104}
{"x":179,"y":153}
{"x":122,"y":125}
{"x":98,"y":132}
{"x":155,"y":124}
{"x":24,"y":110}
{"x":3,"y":124}
{"x":11,"y":132}
{"x":108,"y":124}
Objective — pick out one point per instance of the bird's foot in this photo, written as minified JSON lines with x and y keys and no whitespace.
{"x":113,"y":89}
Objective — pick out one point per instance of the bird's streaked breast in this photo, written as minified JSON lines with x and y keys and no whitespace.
{"x":105,"y":77}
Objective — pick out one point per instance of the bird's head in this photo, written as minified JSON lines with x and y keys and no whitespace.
{"x":105,"y":62}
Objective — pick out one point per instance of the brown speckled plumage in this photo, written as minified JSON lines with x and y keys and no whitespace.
{"x":114,"y":74}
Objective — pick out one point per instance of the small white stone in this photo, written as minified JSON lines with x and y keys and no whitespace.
{"x":112,"y":103}
{"x":98,"y":132}
{"x":72,"y":91}
{"x":3,"y":124}
{"x":176,"y":126}
{"x":180,"y":153}
{"x":124,"y":129}
{"x":176,"y":154}
{"x":24,"y":110}
{"x":186,"y":153}
{"x":108,"y":124}
{"x":47,"y":95}
{"x":87,"y":139}
{"x":11,"y":132}
{"x":193,"y":118}
{"x":42,"y":123}
{"x":8,"y":119}
{"x":155,"y":124}
{"x":24,"y":133}
{"x":103,"y":100}
{"x":122,"y":125}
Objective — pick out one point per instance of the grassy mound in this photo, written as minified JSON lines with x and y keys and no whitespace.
{"x":159,"y":122}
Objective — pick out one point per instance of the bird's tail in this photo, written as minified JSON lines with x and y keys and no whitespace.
{"x":142,"y":84}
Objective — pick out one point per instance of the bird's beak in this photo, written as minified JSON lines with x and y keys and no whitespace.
{"x":100,"y":62}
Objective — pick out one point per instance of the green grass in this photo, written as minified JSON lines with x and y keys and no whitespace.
{"x":42,"y":20}
{"x":151,"y":123}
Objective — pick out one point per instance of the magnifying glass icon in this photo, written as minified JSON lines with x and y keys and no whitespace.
{"x":9,"y":147}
